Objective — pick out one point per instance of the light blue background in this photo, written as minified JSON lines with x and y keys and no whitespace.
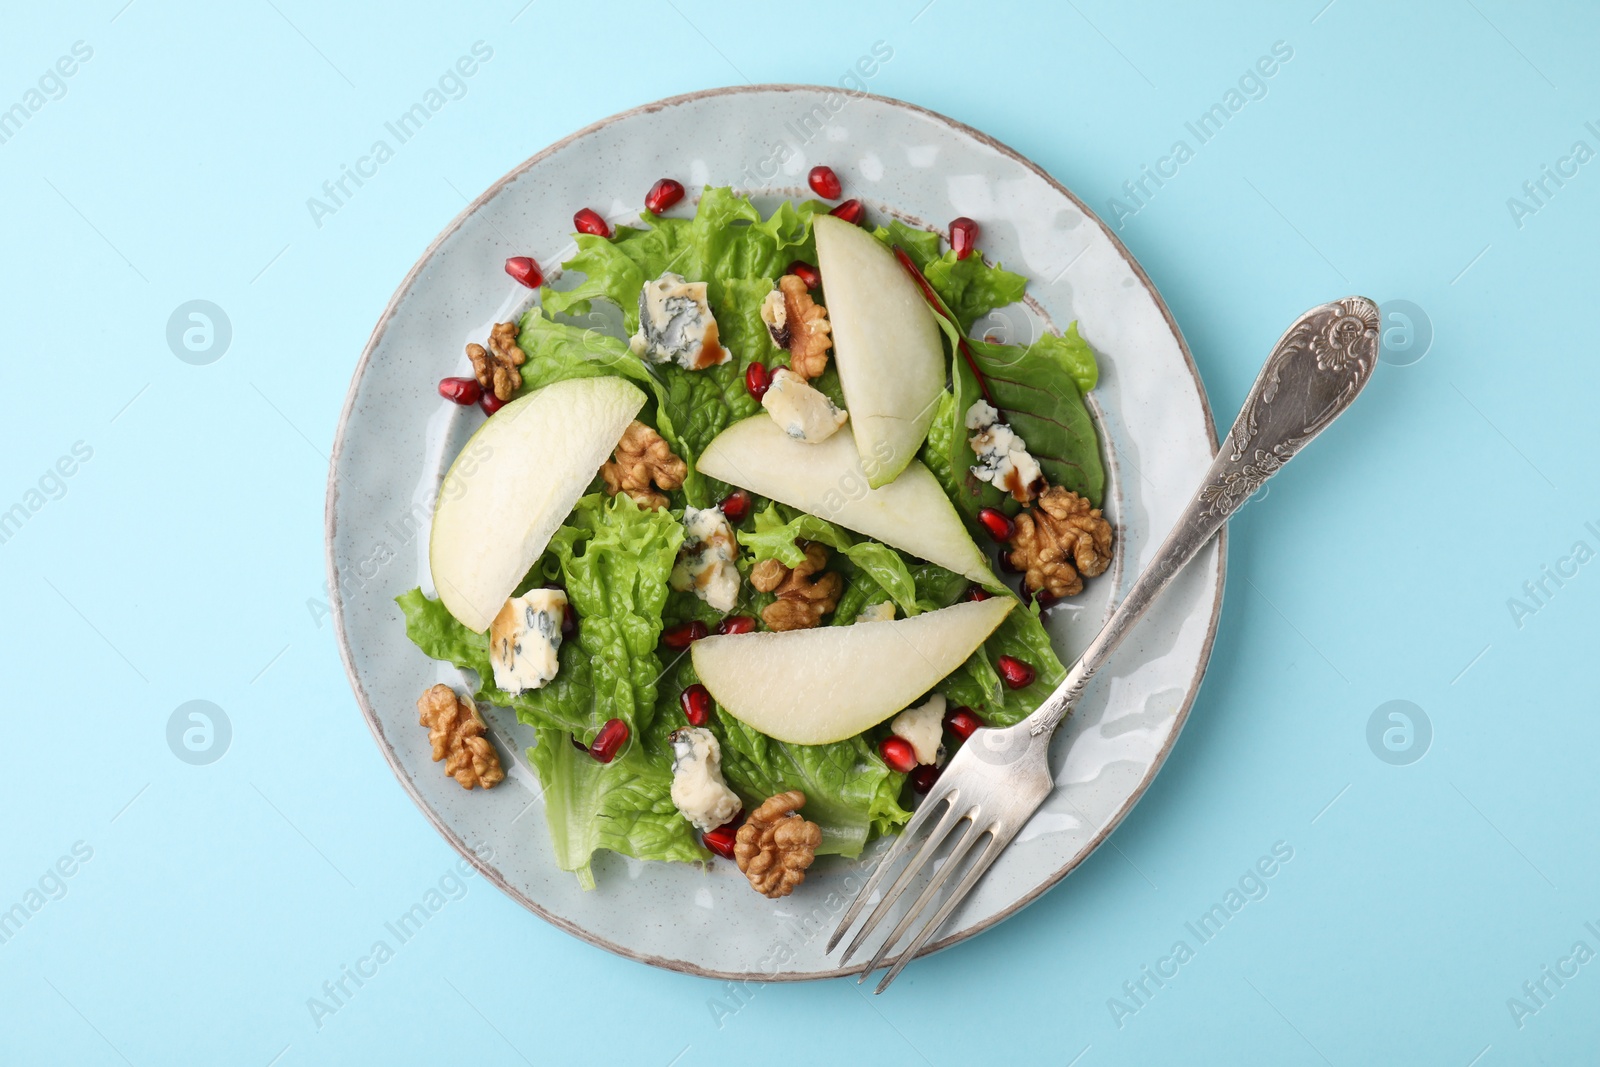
{"x":185,"y":559}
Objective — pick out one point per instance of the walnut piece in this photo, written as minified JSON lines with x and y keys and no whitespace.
{"x":643,"y":457}
{"x":799,"y":325}
{"x":1060,"y":530}
{"x":496,"y":368}
{"x":456,"y":730}
{"x":776,"y":844}
{"x":805,"y":594}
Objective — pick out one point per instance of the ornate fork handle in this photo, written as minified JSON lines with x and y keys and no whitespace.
{"x":1317,"y":368}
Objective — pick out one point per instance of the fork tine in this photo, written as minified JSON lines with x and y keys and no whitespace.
{"x":995,"y":847}
{"x":913,"y":865}
{"x":901,"y":845}
{"x":952,"y":863}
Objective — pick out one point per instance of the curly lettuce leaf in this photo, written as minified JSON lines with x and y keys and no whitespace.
{"x":625,"y":805}
{"x":971,"y":288}
{"x":558,"y":351}
{"x":615,"y":559}
{"x":921,"y":245}
{"x":609,"y":273}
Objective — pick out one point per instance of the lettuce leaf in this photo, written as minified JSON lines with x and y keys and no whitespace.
{"x":614,"y":559}
{"x":971,"y":288}
{"x":625,"y":805}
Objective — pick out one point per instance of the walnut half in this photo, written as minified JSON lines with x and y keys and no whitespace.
{"x":496,"y":367}
{"x":1060,"y":530}
{"x":456,"y":730}
{"x":642,"y":457}
{"x":805,"y":593}
{"x":799,"y":325}
{"x":776,"y":844}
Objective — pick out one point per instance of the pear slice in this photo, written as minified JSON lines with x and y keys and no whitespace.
{"x":515,"y":483}
{"x":886,"y":343}
{"x":911,"y":513}
{"x":813,"y":687}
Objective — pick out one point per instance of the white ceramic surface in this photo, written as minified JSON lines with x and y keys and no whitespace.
{"x":397,"y":437}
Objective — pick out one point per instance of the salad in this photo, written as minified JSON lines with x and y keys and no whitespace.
{"x":725,"y":541}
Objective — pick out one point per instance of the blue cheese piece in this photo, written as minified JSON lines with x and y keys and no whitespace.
{"x":1003,"y":458}
{"x":706,"y":561}
{"x":805,"y":413}
{"x":698,"y":790}
{"x":923,"y":728}
{"x":524,"y":639}
{"x":883,"y":612}
{"x":676,"y":325}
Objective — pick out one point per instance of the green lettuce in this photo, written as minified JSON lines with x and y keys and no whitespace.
{"x":614,"y":560}
{"x":625,"y":805}
{"x":971,"y":288}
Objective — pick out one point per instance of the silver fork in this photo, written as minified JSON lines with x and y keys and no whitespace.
{"x":1000,"y":776}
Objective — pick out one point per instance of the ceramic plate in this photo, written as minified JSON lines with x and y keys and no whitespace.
{"x":396,"y":438}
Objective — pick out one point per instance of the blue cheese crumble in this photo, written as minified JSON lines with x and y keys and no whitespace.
{"x":1003,"y":458}
{"x":676,"y":325}
{"x":706,"y":563}
{"x":923,"y":728}
{"x":805,"y":413}
{"x":525,"y":638}
{"x":698,"y":790}
{"x":883,"y":612}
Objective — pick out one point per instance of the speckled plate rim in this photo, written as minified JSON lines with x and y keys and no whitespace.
{"x":376,"y":726}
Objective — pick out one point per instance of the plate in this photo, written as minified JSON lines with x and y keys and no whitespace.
{"x":396,"y":438}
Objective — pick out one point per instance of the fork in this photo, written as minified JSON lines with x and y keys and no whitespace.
{"x":1000,"y":776}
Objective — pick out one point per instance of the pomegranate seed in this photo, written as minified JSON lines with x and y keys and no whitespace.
{"x":525,"y":270}
{"x":852,"y":211}
{"x":735,"y":506}
{"x":977,"y":593}
{"x":923,"y":777}
{"x":569,"y":621}
{"x":609,"y":741}
{"x":589,"y":221}
{"x":490,"y":403}
{"x":824,"y":182}
{"x":662,"y":195}
{"x":1007,"y":566}
{"x":897,"y":753}
{"x":722,"y":838}
{"x":462,"y":391}
{"x":696,"y":702}
{"x":1014,"y":672}
{"x":805,"y":272}
{"x":962,"y":722}
{"x":736,"y":624}
{"x":757,"y":381}
{"x":684,"y":634}
{"x":963,"y":236}
{"x":998,"y":524}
